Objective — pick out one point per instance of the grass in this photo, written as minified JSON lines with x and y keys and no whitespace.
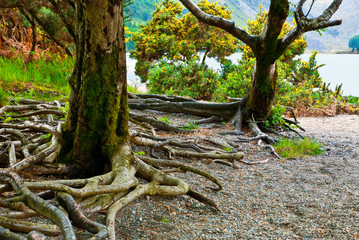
{"x":294,"y":148}
{"x":190,"y":126}
{"x":43,"y":79}
{"x":165,"y":119}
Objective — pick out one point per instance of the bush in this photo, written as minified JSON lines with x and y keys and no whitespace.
{"x":235,"y":79}
{"x":187,"y":79}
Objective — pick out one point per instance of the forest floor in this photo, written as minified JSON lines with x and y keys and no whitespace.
{"x":315,"y":197}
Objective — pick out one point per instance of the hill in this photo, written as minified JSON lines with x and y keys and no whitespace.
{"x":333,"y":39}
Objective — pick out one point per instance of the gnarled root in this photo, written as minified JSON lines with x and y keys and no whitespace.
{"x":35,"y":144}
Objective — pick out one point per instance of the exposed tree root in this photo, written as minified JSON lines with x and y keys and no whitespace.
{"x":181,"y":166}
{"x":33,"y":146}
{"x":227,"y":110}
{"x":157,"y":124}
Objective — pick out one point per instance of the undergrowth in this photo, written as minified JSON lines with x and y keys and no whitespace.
{"x":294,"y":148}
{"x":43,"y":79}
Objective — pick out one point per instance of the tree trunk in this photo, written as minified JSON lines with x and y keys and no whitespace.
{"x":261,"y":95}
{"x":97,"y":123}
{"x":264,"y":82}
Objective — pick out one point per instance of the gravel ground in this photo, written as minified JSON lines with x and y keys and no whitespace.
{"x":306,"y":198}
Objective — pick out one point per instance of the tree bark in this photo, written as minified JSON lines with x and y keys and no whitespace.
{"x":264,"y":82}
{"x":97,"y":124}
{"x":261,"y":95}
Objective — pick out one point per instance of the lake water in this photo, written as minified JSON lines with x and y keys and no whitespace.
{"x":339,"y":68}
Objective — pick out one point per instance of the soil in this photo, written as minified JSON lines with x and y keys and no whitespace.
{"x":314,"y":197}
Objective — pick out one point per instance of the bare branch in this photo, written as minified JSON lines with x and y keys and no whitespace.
{"x":305,"y":25}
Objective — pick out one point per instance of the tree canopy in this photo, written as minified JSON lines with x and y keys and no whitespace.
{"x":175,"y":37}
{"x":354,"y":43}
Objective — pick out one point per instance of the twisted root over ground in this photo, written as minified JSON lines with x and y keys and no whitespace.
{"x":30,"y":137}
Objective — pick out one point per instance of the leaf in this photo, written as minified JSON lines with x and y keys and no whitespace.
{"x":8,"y":119}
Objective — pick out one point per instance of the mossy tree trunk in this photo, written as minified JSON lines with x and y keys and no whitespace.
{"x":264,"y":80}
{"x":262,"y":93}
{"x":98,"y":116}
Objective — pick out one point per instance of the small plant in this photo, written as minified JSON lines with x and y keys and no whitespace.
{"x":65,"y":110}
{"x":164,"y":119}
{"x":294,"y":148}
{"x":46,"y":135}
{"x":190,"y":126}
{"x":275,"y":117}
{"x":8,"y":119}
{"x":227,"y":148}
{"x":140,"y":153}
{"x":133,"y":88}
{"x":165,"y":220}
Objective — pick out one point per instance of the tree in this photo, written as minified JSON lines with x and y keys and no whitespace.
{"x":236,"y":79}
{"x":96,"y":130}
{"x":180,"y":38}
{"x":94,"y":140}
{"x":354,"y":43}
{"x":52,"y":20}
{"x":268,"y":47}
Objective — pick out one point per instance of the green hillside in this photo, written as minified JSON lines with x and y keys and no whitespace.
{"x":241,"y":10}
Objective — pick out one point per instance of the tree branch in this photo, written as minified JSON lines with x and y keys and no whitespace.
{"x":305,"y":25}
{"x":220,"y":22}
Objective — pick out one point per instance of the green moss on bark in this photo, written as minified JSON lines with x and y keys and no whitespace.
{"x":97,"y":123}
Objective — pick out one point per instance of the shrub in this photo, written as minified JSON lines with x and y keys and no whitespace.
{"x":186,"y":79}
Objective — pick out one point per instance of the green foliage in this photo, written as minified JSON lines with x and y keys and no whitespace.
{"x":227,"y":148}
{"x":164,"y":119}
{"x":176,"y":38}
{"x":8,"y":119}
{"x":354,"y":43}
{"x":46,"y":135}
{"x":352,"y":100}
{"x":133,"y":89}
{"x":140,"y":153}
{"x":187,"y":79}
{"x":235,"y":79}
{"x":165,"y":220}
{"x":304,"y":87}
{"x":65,"y":110}
{"x":190,"y":126}
{"x":295,"y":148}
{"x":275,"y":117}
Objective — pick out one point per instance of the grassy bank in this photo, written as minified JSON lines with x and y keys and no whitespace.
{"x":43,"y":79}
